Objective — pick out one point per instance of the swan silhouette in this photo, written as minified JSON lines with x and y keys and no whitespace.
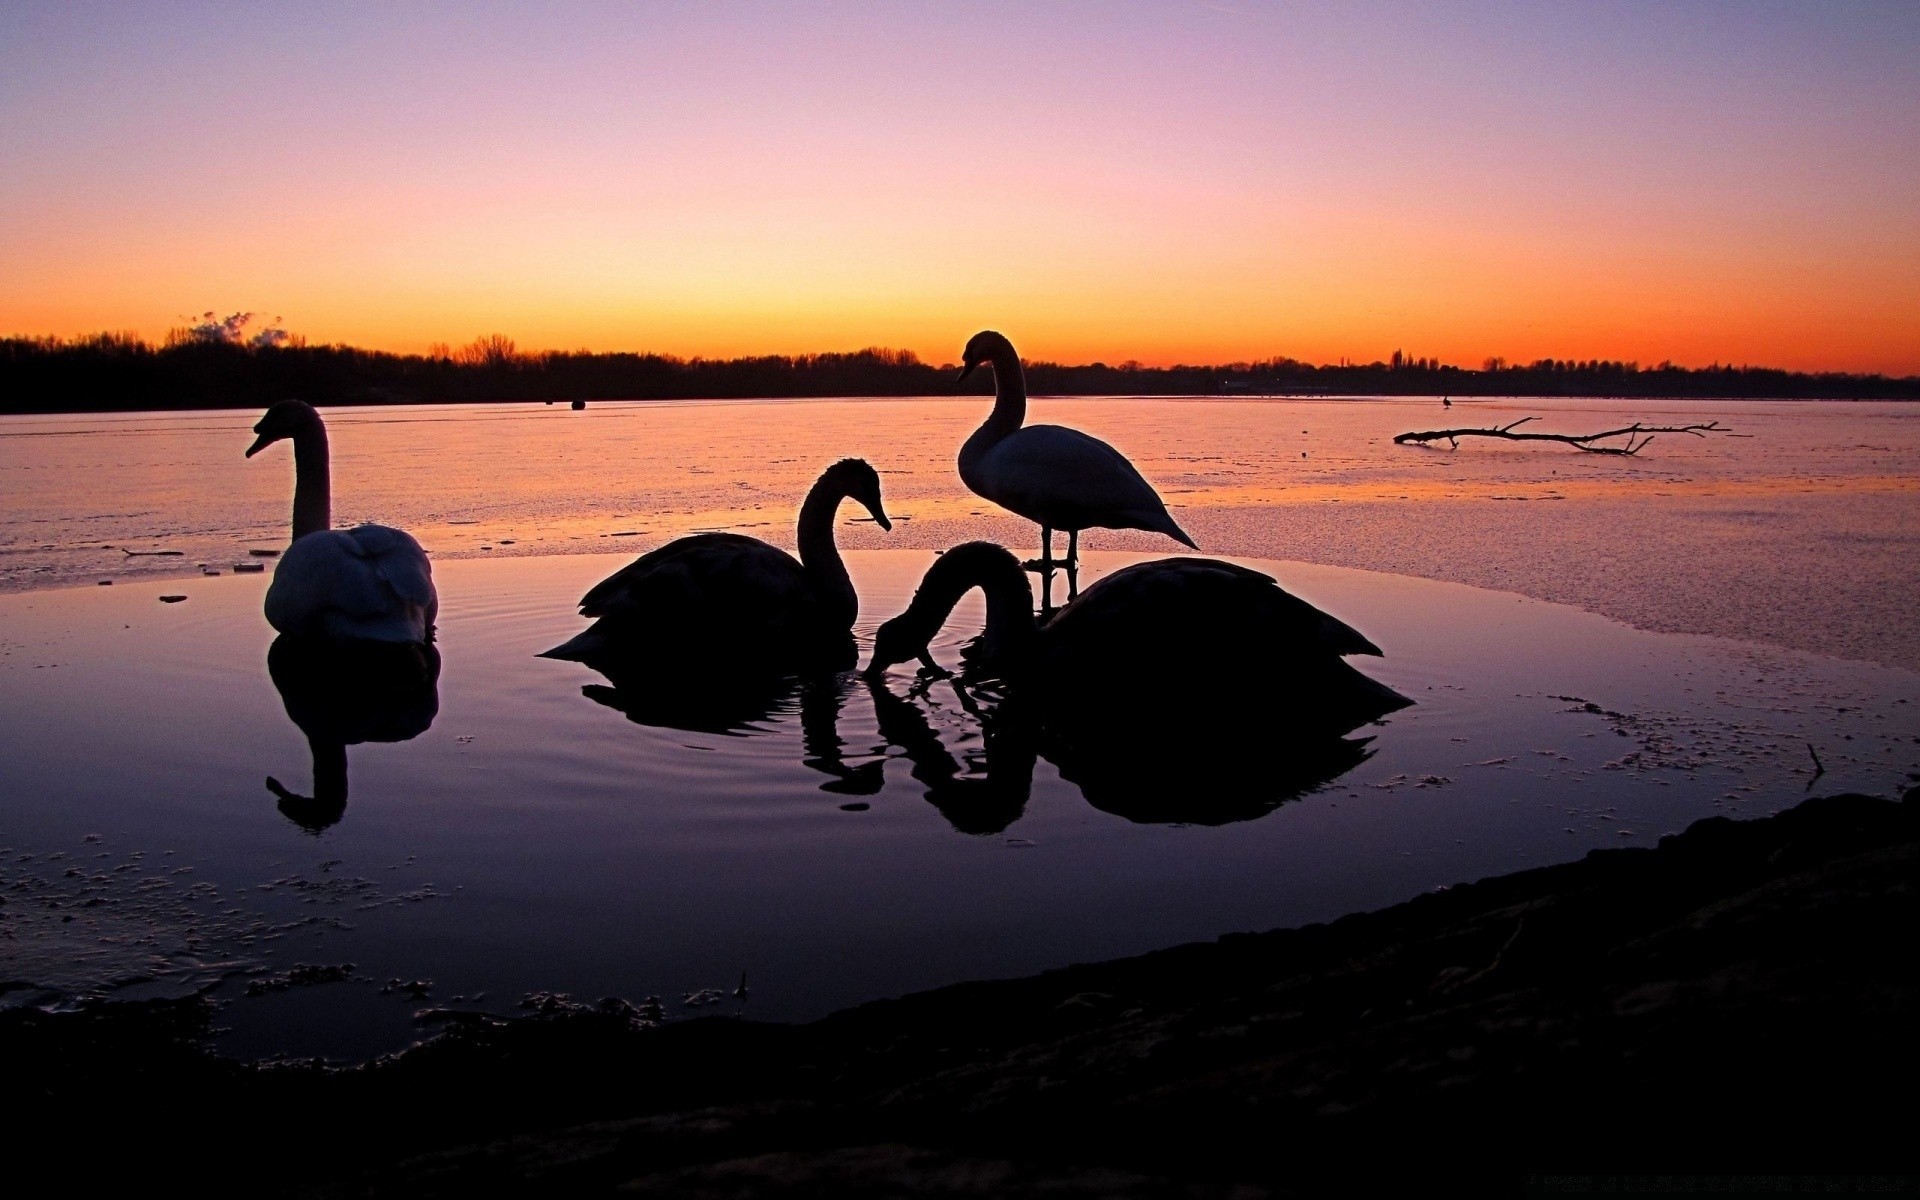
{"x":368,"y":583}
{"x":1177,"y":647}
{"x":723,"y":600}
{"x":1057,"y":477}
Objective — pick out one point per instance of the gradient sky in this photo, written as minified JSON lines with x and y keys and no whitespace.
{"x":1166,"y":182}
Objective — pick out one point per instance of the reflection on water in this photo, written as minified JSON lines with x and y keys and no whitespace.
{"x":740,"y":705}
{"x":343,"y":694}
{"x":1186,"y":761}
{"x":982,"y":790}
{"x":530,"y":838}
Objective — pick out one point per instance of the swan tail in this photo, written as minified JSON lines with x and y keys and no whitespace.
{"x":585,"y":646}
{"x":1161,"y":521}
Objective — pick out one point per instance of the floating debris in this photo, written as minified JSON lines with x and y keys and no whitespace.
{"x":249,"y":568}
{"x":153,"y":553}
{"x":106,"y":583}
{"x":264,"y":553}
{"x":171,"y":599}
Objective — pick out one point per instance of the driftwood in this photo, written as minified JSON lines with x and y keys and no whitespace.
{"x":1578,"y":442}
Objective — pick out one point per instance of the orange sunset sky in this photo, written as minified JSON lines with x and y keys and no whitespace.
{"x":1168,"y":182}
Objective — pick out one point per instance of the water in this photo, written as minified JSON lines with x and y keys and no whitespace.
{"x":844,"y":845}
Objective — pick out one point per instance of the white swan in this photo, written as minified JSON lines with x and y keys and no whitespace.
{"x":1192,"y":644}
{"x":369,"y":583}
{"x":724,"y":600}
{"x":1057,"y":477}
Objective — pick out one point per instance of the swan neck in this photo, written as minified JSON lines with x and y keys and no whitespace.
{"x":820,"y":555}
{"x":329,"y":770}
{"x":1010,"y":626}
{"x":1009,"y":392}
{"x":312,"y":485}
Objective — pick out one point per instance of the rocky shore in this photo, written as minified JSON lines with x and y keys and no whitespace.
{"x":1740,"y":1001}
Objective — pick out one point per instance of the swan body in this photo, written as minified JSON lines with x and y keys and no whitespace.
{"x":714,"y":599}
{"x":1056,"y":477}
{"x":1176,"y":642}
{"x":368,"y":583}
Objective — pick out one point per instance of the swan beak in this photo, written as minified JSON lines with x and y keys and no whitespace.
{"x":881,"y":519}
{"x":260,"y":443}
{"x":966,"y":371}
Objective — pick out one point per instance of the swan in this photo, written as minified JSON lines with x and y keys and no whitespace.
{"x":724,"y":599}
{"x":1176,"y":645}
{"x":370,"y":583}
{"x":1056,"y":477}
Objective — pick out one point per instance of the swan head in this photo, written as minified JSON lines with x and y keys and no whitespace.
{"x":982,"y":347}
{"x":289,"y":418}
{"x":900,"y":638}
{"x":855,"y":479}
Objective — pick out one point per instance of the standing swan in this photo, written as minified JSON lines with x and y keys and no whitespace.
{"x":1056,"y":477}
{"x":724,"y":600}
{"x":1176,"y":645}
{"x":370,"y":583}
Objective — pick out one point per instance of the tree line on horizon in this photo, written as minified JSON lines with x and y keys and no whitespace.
{"x":218,"y":363}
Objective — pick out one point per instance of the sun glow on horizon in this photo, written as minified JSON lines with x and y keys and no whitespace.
{"x":1102,"y":182}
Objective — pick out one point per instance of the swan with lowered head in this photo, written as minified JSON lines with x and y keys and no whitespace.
{"x":370,"y":583}
{"x":728,"y":600}
{"x":1192,"y":643}
{"x":1057,"y":477}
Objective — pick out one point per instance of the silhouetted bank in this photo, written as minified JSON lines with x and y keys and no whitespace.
{"x":113,"y":372}
{"x":1739,"y":1000}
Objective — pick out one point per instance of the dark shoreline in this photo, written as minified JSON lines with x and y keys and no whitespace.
{"x":1740,"y":999}
{"x":122,"y":373}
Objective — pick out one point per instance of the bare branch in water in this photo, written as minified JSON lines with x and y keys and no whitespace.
{"x":1584,"y":442}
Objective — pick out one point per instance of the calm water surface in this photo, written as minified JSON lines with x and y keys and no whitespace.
{"x":845,"y":844}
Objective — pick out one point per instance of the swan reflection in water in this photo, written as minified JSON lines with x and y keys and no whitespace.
{"x":341,"y":694}
{"x":740,"y":704}
{"x":1242,"y":766}
{"x":1180,"y":690}
{"x":981,"y":793}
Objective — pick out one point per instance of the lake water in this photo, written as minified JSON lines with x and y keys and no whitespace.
{"x":847,"y":843}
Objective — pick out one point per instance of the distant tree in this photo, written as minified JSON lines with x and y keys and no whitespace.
{"x":490,"y":350}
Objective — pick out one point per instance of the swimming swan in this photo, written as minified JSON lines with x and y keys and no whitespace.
{"x":1056,"y":477}
{"x":1192,"y":645}
{"x":369,"y":583}
{"x":724,"y":600}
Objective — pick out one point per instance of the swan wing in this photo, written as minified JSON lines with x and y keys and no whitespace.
{"x":1201,"y":608}
{"x":727,"y":569}
{"x":370,"y":582}
{"x":712,"y":597}
{"x":1167,"y":643}
{"x":1067,"y":479}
